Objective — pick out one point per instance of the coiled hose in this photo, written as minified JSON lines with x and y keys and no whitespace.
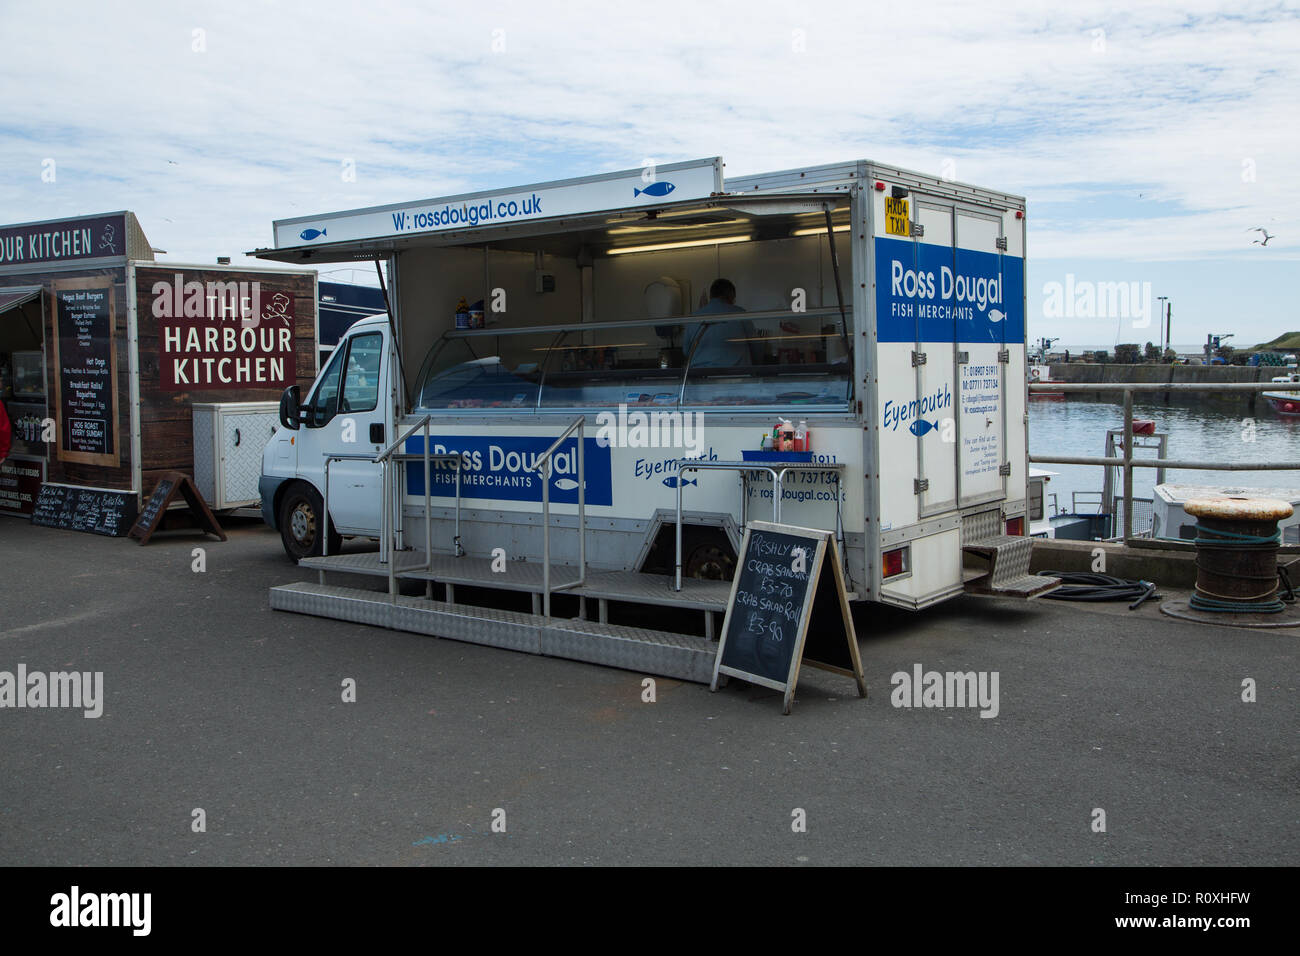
{"x":1236,"y":541}
{"x":1089,"y":586}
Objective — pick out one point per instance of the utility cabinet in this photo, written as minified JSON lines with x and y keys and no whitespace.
{"x":228,"y":442}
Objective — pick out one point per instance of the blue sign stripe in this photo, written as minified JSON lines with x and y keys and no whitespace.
{"x":928,"y":293}
{"x":502,"y":468}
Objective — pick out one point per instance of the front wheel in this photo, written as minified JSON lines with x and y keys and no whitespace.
{"x":300,"y":524}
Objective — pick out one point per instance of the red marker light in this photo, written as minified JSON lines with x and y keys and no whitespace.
{"x":895,"y":562}
{"x":1016,"y":527}
{"x":1020,"y":214}
{"x":880,"y":187}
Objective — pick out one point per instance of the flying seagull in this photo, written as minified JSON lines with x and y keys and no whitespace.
{"x":1261,"y":242}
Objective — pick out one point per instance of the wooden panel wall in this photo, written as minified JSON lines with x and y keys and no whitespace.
{"x":166,"y":421}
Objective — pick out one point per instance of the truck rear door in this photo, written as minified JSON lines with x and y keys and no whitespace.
{"x":979,"y":298}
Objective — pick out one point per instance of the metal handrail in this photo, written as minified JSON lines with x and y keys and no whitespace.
{"x":1128,"y":462}
{"x":387,"y":519}
{"x":776,"y":469}
{"x":1164,"y":386}
{"x":388,"y":452}
{"x":542,"y":465}
{"x":706,"y":318}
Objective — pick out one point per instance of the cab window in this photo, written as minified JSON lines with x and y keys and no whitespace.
{"x":361,"y":380}
{"x":325,"y":400}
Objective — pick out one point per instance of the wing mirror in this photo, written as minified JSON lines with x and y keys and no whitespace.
{"x":290,"y":406}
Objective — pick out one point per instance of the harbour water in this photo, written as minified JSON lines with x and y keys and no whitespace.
{"x":1197,"y":431}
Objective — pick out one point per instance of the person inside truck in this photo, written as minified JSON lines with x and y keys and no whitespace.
{"x":722,"y":345}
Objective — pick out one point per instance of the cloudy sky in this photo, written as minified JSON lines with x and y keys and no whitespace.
{"x":1148,"y":139}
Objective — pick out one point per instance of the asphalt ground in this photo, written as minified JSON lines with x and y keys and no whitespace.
{"x":213,"y":702}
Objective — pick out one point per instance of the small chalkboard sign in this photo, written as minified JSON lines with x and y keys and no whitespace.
{"x":169,"y":486}
{"x":92,"y":510}
{"x":788,"y":605}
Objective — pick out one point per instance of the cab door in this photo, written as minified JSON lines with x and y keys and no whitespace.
{"x":345,"y":415}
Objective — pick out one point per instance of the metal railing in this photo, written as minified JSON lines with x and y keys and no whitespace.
{"x":1128,"y":462}
{"x":543,"y":466}
{"x":387,"y":532}
{"x":776,"y":469}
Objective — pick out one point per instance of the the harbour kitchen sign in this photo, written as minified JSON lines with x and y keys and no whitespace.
{"x":223,"y":335}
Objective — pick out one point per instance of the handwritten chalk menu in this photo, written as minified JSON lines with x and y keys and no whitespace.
{"x":169,"y":486}
{"x":153,"y":509}
{"x":93,"y":510}
{"x":788,"y":605}
{"x":85,"y":370}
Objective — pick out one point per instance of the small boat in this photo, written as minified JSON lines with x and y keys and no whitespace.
{"x":1042,"y":375}
{"x":1170,"y":520}
{"x":1285,"y":403}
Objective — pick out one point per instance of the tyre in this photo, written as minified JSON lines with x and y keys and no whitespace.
{"x":707,"y":554}
{"x":300,"y":523}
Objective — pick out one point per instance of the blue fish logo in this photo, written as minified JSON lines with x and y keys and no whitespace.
{"x":674,"y":481}
{"x":310,"y":234}
{"x":920,"y":427}
{"x":654,"y":189}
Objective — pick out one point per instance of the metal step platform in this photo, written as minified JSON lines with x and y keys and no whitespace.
{"x":680,"y":656}
{"x":999,"y":565}
{"x":526,"y":576}
{"x":683,"y":656}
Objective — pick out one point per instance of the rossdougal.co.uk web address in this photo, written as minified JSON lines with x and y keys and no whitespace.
{"x":469,"y":214}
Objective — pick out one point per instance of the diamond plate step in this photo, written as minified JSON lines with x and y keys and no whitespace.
{"x":1007,"y":571}
{"x":1025,"y":586}
{"x":681,"y":656}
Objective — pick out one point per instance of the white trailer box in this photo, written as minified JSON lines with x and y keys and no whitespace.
{"x":228,"y":442}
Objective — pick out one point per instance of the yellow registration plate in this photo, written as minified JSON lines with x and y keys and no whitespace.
{"x":896,"y":218}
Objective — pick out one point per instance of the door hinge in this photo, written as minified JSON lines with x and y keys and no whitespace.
{"x":859,"y":406}
{"x":1001,"y":243}
{"x":918,"y":358}
{"x":1005,"y":469}
{"x":918,"y":230}
{"x":963,"y":358}
{"x":919,"y":485}
{"x":1004,"y":356}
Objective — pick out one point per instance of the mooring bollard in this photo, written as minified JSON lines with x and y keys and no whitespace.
{"x":1236,"y":554}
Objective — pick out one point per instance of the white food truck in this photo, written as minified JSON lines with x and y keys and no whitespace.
{"x":597,"y":423}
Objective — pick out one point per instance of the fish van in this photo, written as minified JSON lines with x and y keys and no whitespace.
{"x":652,"y":338}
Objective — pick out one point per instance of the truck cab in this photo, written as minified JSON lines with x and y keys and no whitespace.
{"x":345,"y":420}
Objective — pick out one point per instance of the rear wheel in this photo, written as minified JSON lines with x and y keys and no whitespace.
{"x":707,"y":554}
{"x":300,"y":523}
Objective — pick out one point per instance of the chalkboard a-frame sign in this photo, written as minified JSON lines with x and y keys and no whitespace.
{"x":169,"y":486}
{"x":789,"y":605}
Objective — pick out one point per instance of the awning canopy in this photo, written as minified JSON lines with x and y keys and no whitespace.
{"x":723,"y":216}
{"x":20,"y":328}
{"x":13,"y":297}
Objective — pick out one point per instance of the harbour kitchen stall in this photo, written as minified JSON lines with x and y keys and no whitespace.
{"x":587,"y":390}
{"x":105,"y":351}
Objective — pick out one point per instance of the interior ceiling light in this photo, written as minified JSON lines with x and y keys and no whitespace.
{"x":685,"y":244}
{"x":814,"y":231}
{"x":653,"y":226}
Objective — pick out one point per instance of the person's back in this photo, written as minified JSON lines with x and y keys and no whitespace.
{"x":719,"y":345}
